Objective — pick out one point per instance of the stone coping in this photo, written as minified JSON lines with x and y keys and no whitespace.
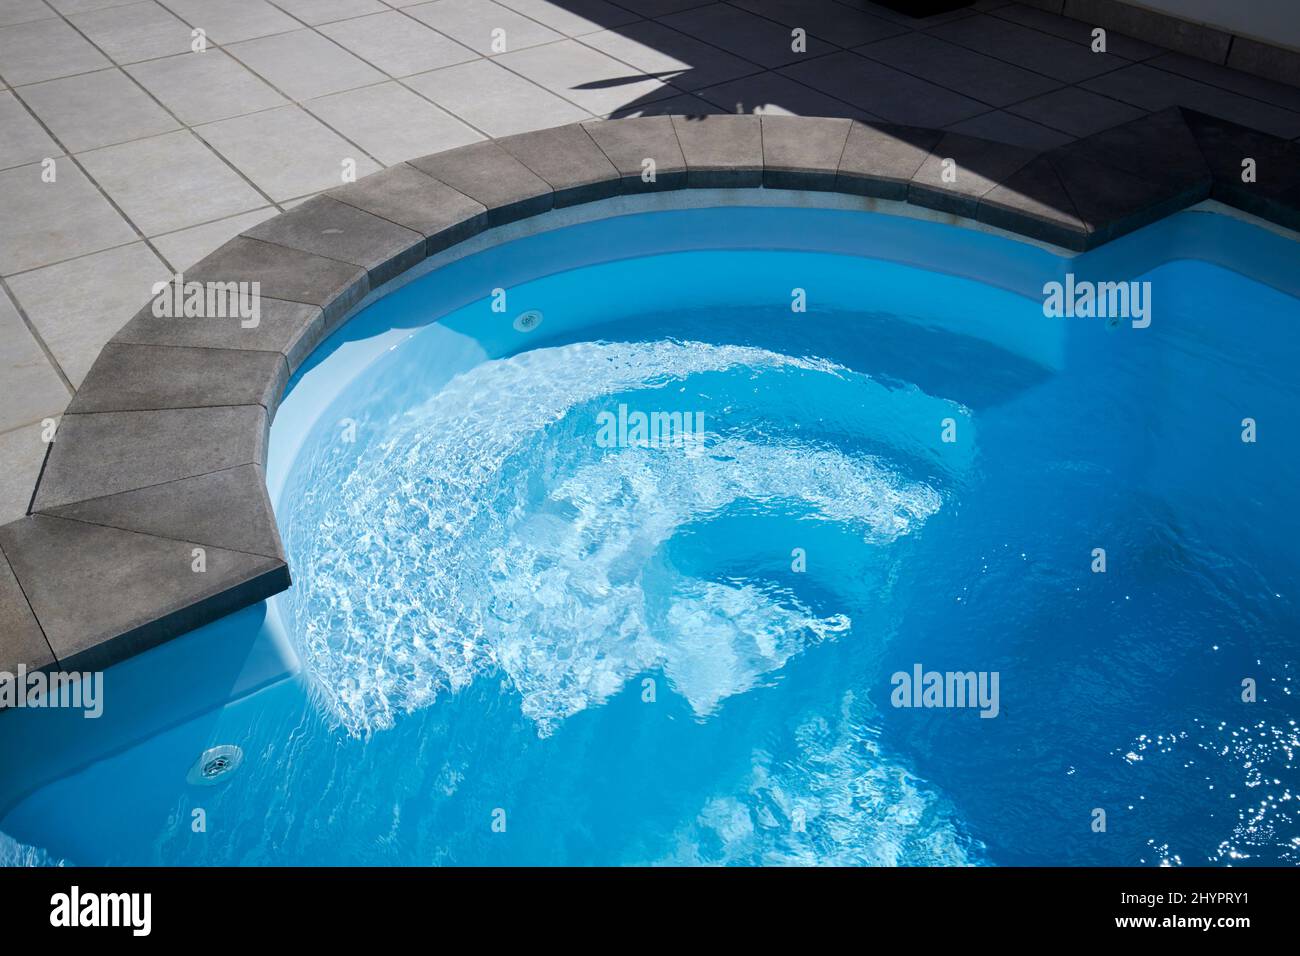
{"x":158,"y":466}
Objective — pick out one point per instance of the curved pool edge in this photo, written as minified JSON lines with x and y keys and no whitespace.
{"x":151,"y":516}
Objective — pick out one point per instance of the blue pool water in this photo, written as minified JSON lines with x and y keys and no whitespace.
{"x":510,"y":641}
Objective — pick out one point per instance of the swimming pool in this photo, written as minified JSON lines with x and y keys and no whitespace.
{"x":522,"y":631}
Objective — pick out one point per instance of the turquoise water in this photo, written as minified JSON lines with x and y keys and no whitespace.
{"x":511,"y":641}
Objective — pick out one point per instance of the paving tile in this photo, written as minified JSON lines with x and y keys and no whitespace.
{"x":134,"y":590}
{"x":1158,"y":147}
{"x":185,"y":247}
{"x":23,"y":11}
{"x":326,"y":227}
{"x":957,"y":68}
{"x":303,"y":64}
{"x":1275,"y":194}
{"x":111,"y":452}
{"x":492,"y":99}
{"x":168,"y":182}
{"x":979,"y":166}
{"x":1034,"y":50}
{"x":660,"y":8}
{"x":771,"y":94}
{"x":137,"y":31}
{"x":284,"y":273}
{"x":229,"y":21}
{"x":128,"y":377}
{"x":1256,"y":87}
{"x":802,"y":153}
{"x":880,"y":159}
{"x":205,"y":87}
{"x":827,"y":19}
{"x":629,"y":144}
{"x":97,"y":109}
{"x":1172,"y":33}
{"x":391,"y":123}
{"x":44,"y":50}
{"x":396,"y":44}
{"x":22,"y":643}
{"x":1151,"y":89}
{"x":45,"y":222}
{"x":657,"y":50}
{"x":721,"y":151}
{"x":573,"y":17}
{"x":286,"y":152}
{"x":22,"y":452}
{"x":410,"y":198}
{"x":596,"y":82}
{"x":744,"y":34}
{"x":684,"y":104}
{"x":1077,"y":31}
{"x":472,"y":23}
{"x":24,"y":141}
{"x":76,"y":306}
{"x":1033,"y":202}
{"x":883,"y":91}
{"x":488,"y":174}
{"x":1076,"y":111}
{"x":570,"y":162}
{"x":1265,"y":60}
{"x":226,"y":509}
{"x":1004,"y":127}
{"x":31,"y":388}
{"x":316,"y":12}
{"x":292,"y":329}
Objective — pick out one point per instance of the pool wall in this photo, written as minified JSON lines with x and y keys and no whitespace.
{"x":151,"y":516}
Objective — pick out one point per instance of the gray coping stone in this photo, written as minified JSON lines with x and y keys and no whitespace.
{"x":628,"y":143}
{"x":226,"y":509}
{"x":1158,"y":147}
{"x":802,"y":153}
{"x":410,"y":198}
{"x":21,"y":639}
{"x":284,"y":273}
{"x":492,"y":176}
{"x":569,"y":160}
{"x":1275,"y":194}
{"x":323,"y":226}
{"x":980,"y":165}
{"x":135,"y":377}
{"x":1033,"y":202}
{"x":880,"y":159}
{"x":109,"y":452}
{"x":291,"y":329}
{"x":721,"y":150}
{"x":103,"y":594}
{"x":1112,"y":202}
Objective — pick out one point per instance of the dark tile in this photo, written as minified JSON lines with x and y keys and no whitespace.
{"x":1076,"y":31}
{"x":629,"y":143}
{"x":802,"y":152}
{"x":336,"y":230}
{"x":773,"y":94}
{"x":103,"y":595}
{"x":291,"y":329}
{"x":828,"y":19}
{"x":1076,"y":111}
{"x":883,"y":91}
{"x":721,"y":150}
{"x":570,"y":162}
{"x":1234,"y":80}
{"x":1262,"y":59}
{"x":1032,"y":49}
{"x":1158,"y":147}
{"x":226,"y":509}
{"x":742,"y":34}
{"x":1275,"y":194}
{"x":110,"y":452}
{"x":285,"y":273}
{"x":880,"y":159}
{"x":21,"y":641}
{"x":957,"y":68}
{"x":1032,"y":202}
{"x":979,"y":166}
{"x":406,"y":196}
{"x":1169,"y":32}
{"x":488,"y":174}
{"x":1004,"y":127}
{"x":136,"y":377}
